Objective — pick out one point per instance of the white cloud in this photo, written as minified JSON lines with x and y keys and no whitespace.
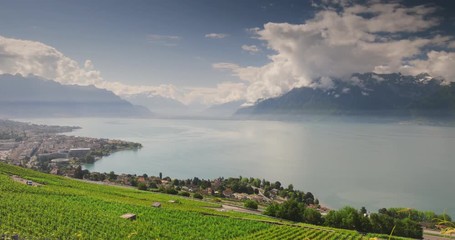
{"x":216,"y":35}
{"x":438,"y":64}
{"x":223,"y":93}
{"x":267,"y":81}
{"x":336,"y":43}
{"x":165,"y":40}
{"x":225,"y":66}
{"x":34,"y":58}
{"x":251,"y":48}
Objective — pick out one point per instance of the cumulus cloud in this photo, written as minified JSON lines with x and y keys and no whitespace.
{"x":35,"y":58}
{"x":216,"y":35}
{"x":438,"y":63}
{"x":26,"y":57}
{"x":251,"y":48}
{"x":344,"y":38}
{"x":341,"y":38}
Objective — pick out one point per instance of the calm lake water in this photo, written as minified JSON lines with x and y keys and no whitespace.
{"x":342,"y":163}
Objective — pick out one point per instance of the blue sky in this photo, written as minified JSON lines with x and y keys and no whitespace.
{"x":166,"y":44}
{"x":114,"y":34}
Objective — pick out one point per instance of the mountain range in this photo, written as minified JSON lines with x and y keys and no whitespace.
{"x":32,"y":96}
{"x":160,"y":105}
{"x":365,"y":93}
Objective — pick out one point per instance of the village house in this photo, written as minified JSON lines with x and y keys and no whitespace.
{"x":228,"y":193}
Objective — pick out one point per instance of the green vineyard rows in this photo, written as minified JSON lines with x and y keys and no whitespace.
{"x":64,"y":208}
{"x":289,"y":232}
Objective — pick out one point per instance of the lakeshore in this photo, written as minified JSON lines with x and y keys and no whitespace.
{"x":45,"y":148}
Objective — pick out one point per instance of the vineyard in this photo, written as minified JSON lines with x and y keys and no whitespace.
{"x":291,"y":233}
{"x":63,"y":208}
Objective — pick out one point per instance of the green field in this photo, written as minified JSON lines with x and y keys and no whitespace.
{"x":64,"y":208}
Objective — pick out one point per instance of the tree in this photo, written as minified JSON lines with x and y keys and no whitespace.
{"x":347,"y":218}
{"x":198,"y":196}
{"x":161,"y":175}
{"x":142,"y":186}
{"x":176,"y":182}
{"x":112,"y":176}
{"x":251,"y":204}
{"x":78,"y":172}
{"x":272,"y":210}
{"x":89,"y":159}
{"x":381,"y":223}
{"x":134,"y":182}
{"x":365,"y":224}
{"x":291,"y":210}
{"x":363,"y":211}
{"x":153,"y":185}
{"x":184,"y":194}
{"x":408,"y":228}
{"x":277,"y":185}
{"x":383,"y":211}
{"x":309,"y":198}
{"x":257,"y":182}
{"x":171,"y":191}
{"x":312,"y":216}
{"x":196,"y":181}
{"x":291,"y":187}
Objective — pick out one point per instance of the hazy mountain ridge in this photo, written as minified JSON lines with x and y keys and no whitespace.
{"x":366,"y":93}
{"x":35,"y":97}
{"x":224,"y":109}
{"x":158,"y":104}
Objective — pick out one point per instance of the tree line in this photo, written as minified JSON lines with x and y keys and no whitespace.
{"x":396,"y":221}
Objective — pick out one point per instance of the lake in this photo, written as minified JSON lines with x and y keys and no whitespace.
{"x":342,"y":163}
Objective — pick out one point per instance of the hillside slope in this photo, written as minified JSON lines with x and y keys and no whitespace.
{"x":63,"y":208}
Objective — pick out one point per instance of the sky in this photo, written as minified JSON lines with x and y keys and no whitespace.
{"x":212,"y":52}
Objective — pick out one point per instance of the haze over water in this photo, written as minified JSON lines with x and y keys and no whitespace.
{"x":343,"y":163}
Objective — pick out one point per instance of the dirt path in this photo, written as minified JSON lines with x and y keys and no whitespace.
{"x":25,"y":181}
{"x":225,"y":207}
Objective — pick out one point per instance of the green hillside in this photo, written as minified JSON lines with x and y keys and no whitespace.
{"x":63,"y":208}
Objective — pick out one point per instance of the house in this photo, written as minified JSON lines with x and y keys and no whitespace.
{"x":78,"y":152}
{"x":141,"y":179}
{"x":240,"y":196}
{"x":228,"y":193}
{"x":256,"y":198}
{"x":217,"y":183}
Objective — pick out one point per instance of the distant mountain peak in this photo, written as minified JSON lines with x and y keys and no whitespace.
{"x":365,"y":92}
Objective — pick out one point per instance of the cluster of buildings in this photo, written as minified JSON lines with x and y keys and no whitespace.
{"x":41,"y":147}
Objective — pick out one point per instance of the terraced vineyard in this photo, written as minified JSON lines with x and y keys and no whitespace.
{"x":291,"y":233}
{"x":63,"y":208}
